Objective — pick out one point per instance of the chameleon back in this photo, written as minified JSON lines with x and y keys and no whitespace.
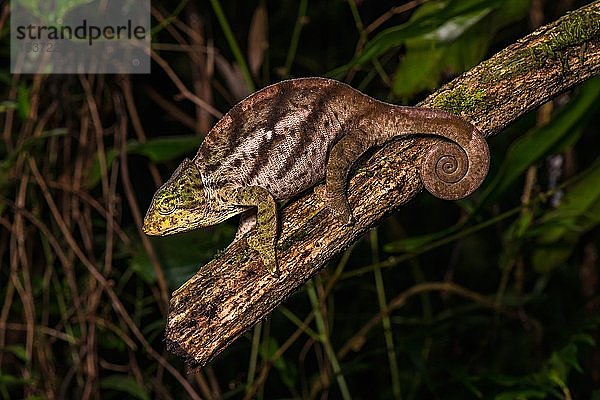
{"x":278,"y":138}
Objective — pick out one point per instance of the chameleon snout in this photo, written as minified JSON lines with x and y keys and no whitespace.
{"x":155,"y":225}
{"x":151,"y":227}
{"x":148,"y":229}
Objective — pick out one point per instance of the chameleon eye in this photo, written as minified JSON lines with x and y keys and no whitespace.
{"x":166,"y":205}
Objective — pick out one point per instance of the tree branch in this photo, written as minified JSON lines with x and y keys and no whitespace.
{"x":234,"y":292}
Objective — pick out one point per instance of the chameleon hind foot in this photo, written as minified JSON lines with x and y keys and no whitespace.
{"x":266,"y":251}
{"x":343,"y":154}
{"x":338,"y":204}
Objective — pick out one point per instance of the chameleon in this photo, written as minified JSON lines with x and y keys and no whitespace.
{"x":288,"y":137}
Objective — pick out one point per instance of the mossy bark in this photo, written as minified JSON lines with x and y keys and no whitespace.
{"x":234,"y":291}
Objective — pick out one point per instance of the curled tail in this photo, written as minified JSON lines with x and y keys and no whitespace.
{"x":452,"y":170}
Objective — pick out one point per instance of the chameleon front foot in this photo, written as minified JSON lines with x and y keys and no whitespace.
{"x":338,"y":204}
{"x":266,"y":252}
{"x":263,"y":238}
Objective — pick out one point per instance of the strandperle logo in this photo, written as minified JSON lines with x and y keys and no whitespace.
{"x":80,"y":36}
{"x":81,"y":32}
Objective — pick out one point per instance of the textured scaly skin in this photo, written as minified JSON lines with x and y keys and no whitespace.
{"x":289,"y":136}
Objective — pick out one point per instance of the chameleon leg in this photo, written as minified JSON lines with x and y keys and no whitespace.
{"x":263,"y":240}
{"x":343,"y":154}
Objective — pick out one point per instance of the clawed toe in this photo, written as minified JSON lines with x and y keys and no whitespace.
{"x":321,"y":192}
{"x":338,"y":206}
{"x":267,"y":253}
{"x":253,"y":243}
{"x":345,"y":217}
{"x":350,"y":220}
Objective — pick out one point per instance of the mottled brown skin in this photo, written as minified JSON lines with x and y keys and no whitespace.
{"x":289,"y":136}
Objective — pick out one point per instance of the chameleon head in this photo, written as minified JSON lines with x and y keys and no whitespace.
{"x":178,"y":205}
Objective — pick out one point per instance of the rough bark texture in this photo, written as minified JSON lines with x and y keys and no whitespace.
{"x":234,"y":291}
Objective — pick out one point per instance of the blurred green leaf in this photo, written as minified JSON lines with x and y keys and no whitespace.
{"x":107,"y":339}
{"x":583,"y":338}
{"x":525,"y":394}
{"x":430,"y":17}
{"x":553,"y":374}
{"x":158,"y":150}
{"x":418,"y":70}
{"x":558,"y":232}
{"x":125,"y":384}
{"x":23,"y":106}
{"x":29,"y":145}
{"x":51,"y":12}
{"x":5,"y":78}
{"x":183,"y":254}
{"x":451,"y":48}
{"x":8,"y":105}
{"x":414,"y":243}
{"x":94,"y":175}
{"x":166,"y":148}
{"x":6,"y":380}
{"x":17,"y":350}
{"x":287,"y":371}
{"x":154,"y":329}
{"x":63,"y":7}
{"x":542,"y":141}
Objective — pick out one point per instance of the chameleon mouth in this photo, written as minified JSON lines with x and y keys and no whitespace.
{"x":148,"y":229}
{"x":153,"y":229}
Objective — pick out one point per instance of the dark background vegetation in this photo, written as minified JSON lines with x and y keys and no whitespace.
{"x":504,"y":308}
